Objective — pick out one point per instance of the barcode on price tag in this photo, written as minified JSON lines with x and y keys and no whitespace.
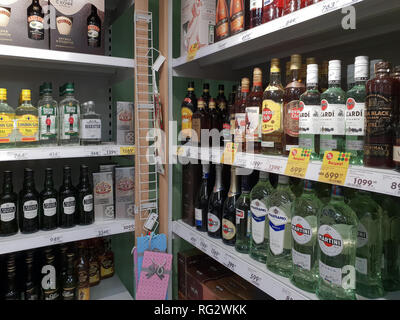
{"x":254,"y":277}
{"x":103,"y":232}
{"x":56,"y":239}
{"x":230,"y":262}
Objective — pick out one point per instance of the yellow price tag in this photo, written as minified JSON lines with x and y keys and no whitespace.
{"x":192,"y":52}
{"x":228,"y":156}
{"x":334,"y":167}
{"x":127,"y":151}
{"x":298,"y":162}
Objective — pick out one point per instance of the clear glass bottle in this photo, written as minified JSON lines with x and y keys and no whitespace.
{"x":26,"y":114}
{"x":243,"y":218}
{"x":7,"y":120}
{"x":229,"y":211}
{"x":90,"y":124}
{"x":337,"y":239}
{"x":69,"y":116}
{"x":48,"y":117}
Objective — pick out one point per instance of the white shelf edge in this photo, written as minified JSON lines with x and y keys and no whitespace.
{"x":110,"y":289}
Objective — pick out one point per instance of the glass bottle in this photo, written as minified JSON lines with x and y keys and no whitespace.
{"x":48,"y":207}
{"x":93,"y":28}
{"x":188,"y":107}
{"x":48,"y":117}
{"x":305,"y":210}
{"x":240,"y":117}
{"x":50,"y":278}
{"x":206,"y":95}
{"x":30,"y":288}
{"x":232,"y":115}
{"x":201,"y":206}
{"x":254,"y":114}
{"x":310,"y":100}
{"x":69,"y":280}
{"x":221,"y":21}
{"x":220,"y":100}
{"x":350,"y":76}
{"x":226,"y":120}
{"x":8,"y":207}
{"x":190,"y":186}
{"x":272,"y":117}
{"x":229,"y":211}
{"x":259,"y":218}
{"x":323,"y":76}
{"x":85,"y":214}
{"x":243,"y":216}
{"x":355,"y":113}
{"x":69,"y":116}
{"x":279,"y":259}
{"x":107,"y":268}
{"x":27,"y":134}
{"x":292,"y":6}
{"x":215,"y":124}
{"x":215,"y":205}
{"x":67,"y":200}
{"x":200,"y":120}
{"x":380,"y":118}
{"x":7,"y":119}
{"x":337,"y":239}
{"x":396,"y":144}
{"x":236,"y":17}
{"x":332,"y":116}
{"x":269,"y":10}
{"x":35,"y":19}
{"x":82,"y":272}
{"x":90,"y":124}
{"x":11,"y":286}
{"x":323,"y":192}
{"x":28,"y":204}
{"x":291,"y":108}
{"x":94,"y":264}
{"x":256,"y":13}
{"x":62,"y":259}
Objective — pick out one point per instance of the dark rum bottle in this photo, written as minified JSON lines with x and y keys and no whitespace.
{"x":106,"y":258}
{"x":240,"y":116}
{"x":94,"y":264}
{"x":190,"y":186}
{"x":206,"y":95}
{"x":85,"y":213}
{"x":67,"y":200}
{"x":8,"y":207}
{"x":221,"y":21}
{"x":48,"y":203}
{"x":256,"y":13}
{"x":215,"y":205}
{"x":29,"y":204}
{"x":93,"y":28}
{"x":236,"y":16}
{"x":30,"y":288}
{"x":253,"y":114}
{"x":35,"y":18}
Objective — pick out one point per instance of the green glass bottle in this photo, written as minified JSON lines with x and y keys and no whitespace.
{"x":243,"y":218}
{"x":279,"y":256}
{"x":259,"y":217}
{"x":337,"y":239}
{"x":323,"y":192}
{"x":296,"y":185}
{"x":229,"y":211}
{"x":305,"y":210}
{"x":369,"y":245}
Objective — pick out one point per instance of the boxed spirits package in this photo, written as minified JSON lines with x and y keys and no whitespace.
{"x":125,"y":123}
{"x":124,"y":192}
{"x":23,"y":23}
{"x":77,"y":26}
{"x":186,"y":259}
{"x":107,"y":167}
{"x":197,"y":23}
{"x":103,"y":193}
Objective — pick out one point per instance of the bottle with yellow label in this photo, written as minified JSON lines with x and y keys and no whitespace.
{"x":189,"y":106}
{"x":27,"y":123}
{"x":7,"y":120}
{"x":82,"y":270}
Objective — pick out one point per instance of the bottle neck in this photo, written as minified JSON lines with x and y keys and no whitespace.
{"x":295,"y":75}
{"x":218,"y":181}
{"x":26,"y":102}
{"x":67,"y":178}
{"x":84,"y":178}
{"x":257,"y":87}
{"x":48,"y":183}
{"x":233,"y":189}
{"x":245,"y":185}
{"x":4,"y":101}
{"x":275,"y":78}
{"x":7,"y":186}
{"x":29,"y":182}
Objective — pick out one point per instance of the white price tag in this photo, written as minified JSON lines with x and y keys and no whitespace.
{"x":222,"y":45}
{"x":256,"y":164}
{"x":274,"y":167}
{"x":56,"y":239}
{"x":215,"y":253}
{"x":330,"y":6}
{"x":94,"y":153}
{"x":246,"y":36}
{"x":286,"y":294}
{"x":19,"y":155}
{"x":128,"y":227}
{"x":254,"y":277}
{"x":193,"y":239}
{"x":111,"y":152}
{"x":240,"y":160}
{"x":54,"y":154}
{"x":361,"y":180}
{"x":230,"y":262}
{"x":290,"y":21}
{"x":103,"y":232}
{"x":391,"y":185}
{"x":203,"y":246}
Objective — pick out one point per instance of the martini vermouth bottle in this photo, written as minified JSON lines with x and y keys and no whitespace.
{"x":337,"y":240}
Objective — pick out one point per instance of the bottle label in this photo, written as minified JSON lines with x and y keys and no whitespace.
{"x":198,"y":216}
{"x":378,"y":114}
{"x":328,"y":144}
{"x":84,"y":293}
{"x":226,"y":131}
{"x":253,"y":124}
{"x":30,"y":209}
{"x":267,"y":144}
{"x":93,"y":32}
{"x":186,"y":115}
{"x":396,"y":153}
{"x":354,"y":145}
{"x":94,"y":272}
{"x":50,"y":207}
{"x":301,"y":230}
{"x":306,"y":143}
{"x":256,"y":4}
{"x":106,"y":267}
{"x":239,"y":216}
{"x":259,"y":213}
{"x":91,"y":129}
{"x":196,"y":123}
{"x":47,"y":122}
{"x":222,"y":26}
{"x":88,"y":203}
{"x":35,"y":22}
{"x":6,"y":127}
{"x":330,"y":274}
{"x":240,"y":127}
{"x":7,"y":212}
{"x":70,"y":121}
{"x":362,"y":236}
{"x":330,"y":241}
{"x":355,"y":120}
{"x":279,"y":237}
{"x":68,"y":293}
{"x":291,"y":118}
{"x":28,"y":127}
{"x":301,"y":260}
{"x":237,"y":16}
{"x":232,"y":125}
{"x":69,"y":205}
{"x":362,"y":265}
{"x":271,"y":116}
{"x":213,"y":222}
{"x":309,"y":118}
{"x":228,"y":229}
{"x":332,"y":118}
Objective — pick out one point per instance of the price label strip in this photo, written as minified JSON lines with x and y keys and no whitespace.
{"x":334,"y":167}
{"x":127,"y":151}
{"x":228,"y":156}
{"x":192,"y":52}
{"x":297,"y":164}
{"x":230,"y":262}
{"x":359,"y":179}
{"x":56,"y":239}
{"x":254,"y":277}
{"x":103,"y":232}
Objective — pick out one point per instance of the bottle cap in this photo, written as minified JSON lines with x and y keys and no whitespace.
{"x":191,"y":86}
{"x":211,"y":103}
{"x":372,"y":66}
{"x":25,"y":94}
{"x":206,"y":87}
{"x":312,"y":74}
{"x":234,"y":88}
{"x":3,"y":94}
{"x":206,"y":168}
{"x":245,"y":84}
{"x":383,"y":67}
{"x":245,"y":183}
{"x":396,"y":70}
{"x":221,"y":87}
{"x":28,"y":171}
{"x":295,"y":62}
{"x":311,"y":60}
{"x":283,"y":179}
{"x":49,"y":170}
{"x":200,"y":103}
{"x":287,"y":68}
{"x":275,"y":65}
{"x":257,"y":76}
{"x":335,"y":68}
{"x":69,"y":87}
{"x":264,"y":175}
{"x":47,"y":87}
{"x":361,"y":64}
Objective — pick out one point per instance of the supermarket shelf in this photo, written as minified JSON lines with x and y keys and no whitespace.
{"x":39,"y":239}
{"x":110,"y":289}
{"x":369,"y":179}
{"x":318,"y":26}
{"x":59,"y":152}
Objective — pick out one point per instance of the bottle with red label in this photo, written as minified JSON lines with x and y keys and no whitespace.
{"x":292,"y":6}
{"x":291,"y":108}
{"x":256,"y":9}
{"x":221,"y":21}
{"x":236,"y":16}
{"x":35,"y":18}
{"x":188,"y":108}
{"x":254,"y":114}
{"x":240,"y":116}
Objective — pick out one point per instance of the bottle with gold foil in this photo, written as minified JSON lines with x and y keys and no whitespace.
{"x":27,"y":134}
{"x":221,"y":21}
{"x":272,"y":108}
{"x":106,"y":260}
{"x":236,"y":16}
{"x":240,"y":116}
{"x":253,"y":113}
{"x":7,"y":119}
{"x":189,"y":106}
{"x":82,"y":270}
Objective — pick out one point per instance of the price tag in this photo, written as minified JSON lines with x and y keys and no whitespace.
{"x":94,"y":153}
{"x":19,"y":155}
{"x":363,"y":180}
{"x":228,"y":156}
{"x":256,"y":164}
{"x":127,"y":151}
{"x":254,"y":277}
{"x":230,"y":262}
{"x":291,"y":21}
{"x":240,"y":160}
{"x":56,"y":239}
{"x":203,"y":246}
{"x":111,"y":152}
{"x":287,"y":295}
{"x":128,"y":227}
{"x":298,"y":162}
{"x":193,"y":239}
{"x":391,"y":185}
{"x":192,"y":52}
{"x":215,"y":253}
{"x":329,"y":6}
{"x":54,"y":154}
{"x":103,"y":232}
{"x":246,"y":37}
{"x":273,"y":167}
{"x":334,"y":167}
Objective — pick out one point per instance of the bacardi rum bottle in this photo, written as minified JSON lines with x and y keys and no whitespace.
{"x":237,"y":15}
{"x":221,"y":21}
{"x":229,"y":211}
{"x":215,"y":205}
{"x":240,"y":117}
{"x":201,"y":205}
{"x":243,"y":218}
{"x":253,"y":114}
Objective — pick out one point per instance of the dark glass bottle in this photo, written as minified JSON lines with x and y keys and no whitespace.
{"x":8,"y":207}
{"x":243,"y":216}
{"x":232,"y":115}
{"x":48,"y":203}
{"x":226,"y":120}
{"x":11,"y":287}
{"x":221,"y":99}
{"x":94,"y":264}
{"x":190,"y":185}
{"x":253,"y":114}
{"x":236,"y":16}
{"x":94,"y":28}
{"x":396,"y":145}
{"x":69,"y":280}
{"x":106,"y":258}
{"x":28,"y":204}
{"x":85,"y":214}
{"x":35,"y":17}
{"x":215,"y":205}
{"x":82,"y":271}
{"x":201,"y":207}
{"x":50,"y":278}
{"x":188,"y":107}
{"x":200,"y":121}
{"x":30,"y":288}
{"x":67,"y":200}
{"x":214,"y":124}
{"x":221,"y":21}
{"x":323,"y":76}
{"x":256,"y":13}
{"x":272,"y":9}
{"x":206,"y":95}
{"x":240,"y":116}
{"x":62,"y":259}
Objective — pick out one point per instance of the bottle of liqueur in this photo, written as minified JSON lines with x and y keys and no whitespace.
{"x":332,"y":116}
{"x":337,"y":239}
{"x":106,"y":258}
{"x":323,"y":76}
{"x":7,"y":118}
{"x":221,"y":21}
{"x":67,"y":200}
{"x":379,"y":118}
{"x":11,"y":286}
{"x":256,"y":13}
{"x":287,"y":73}
{"x":35,"y":19}
{"x":50,"y":278}
{"x":82,"y":271}
{"x":190,"y":185}
{"x":69,"y":116}
{"x":8,"y":207}
{"x":30,"y":288}
{"x":226,"y":120}
{"x":206,"y":95}
{"x":253,"y":113}
{"x":215,"y":124}
{"x":189,"y":106}
{"x":48,"y":203}
{"x":269,"y":10}
{"x":291,"y":109}
{"x":201,"y":206}
{"x":355,"y":112}
{"x":305,"y":210}
{"x":229,"y":211}
{"x":272,"y":129}
{"x":94,"y":265}
{"x":198,"y":117}
{"x":259,"y":218}
{"x":236,"y":16}
{"x":69,"y":280}
{"x":222,"y":109}
{"x":28,"y":204}
{"x":85,"y":214}
{"x":369,"y":245}
{"x":93,"y":28}
{"x":27,"y":134}
{"x":240,"y":117}
{"x":309,"y":114}
{"x":243,"y":218}
{"x":215,"y":205}
{"x":48,"y":117}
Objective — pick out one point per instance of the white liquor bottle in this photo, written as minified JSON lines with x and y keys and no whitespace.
{"x":90,"y":124}
{"x":69,"y":116}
